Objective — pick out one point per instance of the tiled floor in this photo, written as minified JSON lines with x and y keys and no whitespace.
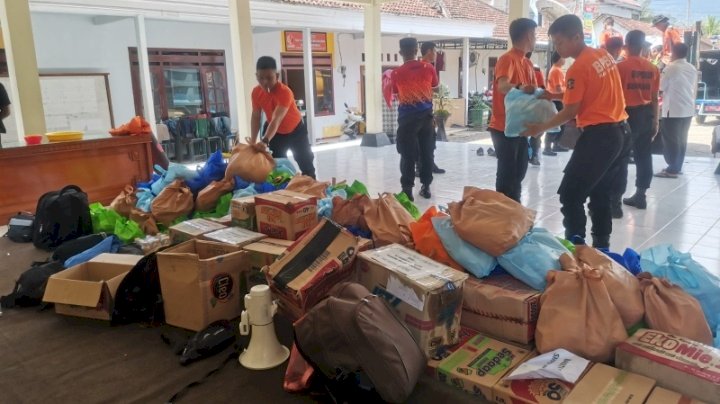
{"x":683,"y":211}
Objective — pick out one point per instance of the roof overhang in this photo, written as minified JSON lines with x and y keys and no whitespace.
{"x":267,"y":14}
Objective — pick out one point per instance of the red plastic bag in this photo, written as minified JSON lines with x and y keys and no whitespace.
{"x":427,"y":241}
{"x":298,"y":373}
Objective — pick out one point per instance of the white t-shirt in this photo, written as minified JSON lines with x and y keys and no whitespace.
{"x":678,"y":84}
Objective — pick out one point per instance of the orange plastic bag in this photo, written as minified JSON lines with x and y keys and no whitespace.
{"x":124,"y":203}
{"x":136,"y":126}
{"x":145,"y":220}
{"x":623,"y":287}
{"x":175,"y":201}
{"x":427,"y":242}
{"x":388,"y":221}
{"x":308,"y":186}
{"x":208,"y":198}
{"x":670,"y":309}
{"x":298,"y":373}
{"x":251,"y":162}
{"x":577,"y":314}
{"x":490,"y":220}
{"x":350,"y":212}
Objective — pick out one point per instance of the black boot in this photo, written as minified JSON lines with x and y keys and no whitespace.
{"x":437,"y":170}
{"x":409,"y":193}
{"x":601,"y":242}
{"x":637,"y":201}
{"x":425,"y":191}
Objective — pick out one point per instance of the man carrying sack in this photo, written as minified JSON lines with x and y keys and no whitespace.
{"x":284,"y":129}
{"x":413,"y":82}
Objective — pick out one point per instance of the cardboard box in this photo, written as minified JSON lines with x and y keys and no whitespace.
{"x":663,"y":396}
{"x":234,"y":236}
{"x":677,"y":363}
{"x":365,"y":244}
{"x":193,"y":228}
{"x":88,"y":290}
{"x":285,"y":214}
{"x":501,"y":306}
{"x":426,"y":295}
{"x":304,"y":274}
{"x":433,"y":362}
{"x":200,"y":282}
{"x":262,"y":254}
{"x":225,"y":220}
{"x":479,"y":365}
{"x":605,"y":384}
{"x":242,"y":213}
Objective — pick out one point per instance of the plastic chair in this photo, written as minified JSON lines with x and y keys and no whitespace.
{"x":166,"y":142}
{"x":212,"y":143}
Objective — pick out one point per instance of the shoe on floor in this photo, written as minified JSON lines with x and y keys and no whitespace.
{"x":491,"y":151}
{"x":425,"y":191}
{"x":409,"y":193}
{"x":561,"y":149}
{"x":636,"y":201}
{"x":438,"y":170}
{"x":535,"y":161}
{"x":548,"y":152}
{"x":665,"y":174}
{"x":481,"y":152}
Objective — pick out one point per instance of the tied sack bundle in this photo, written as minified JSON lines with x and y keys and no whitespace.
{"x":125,"y":202}
{"x":577,"y":314}
{"x":490,"y":220}
{"x":145,"y":221}
{"x":388,"y":221}
{"x":350,"y":212}
{"x":208,"y":198}
{"x":670,"y":309}
{"x":308,"y":186}
{"x":175,"y":201}
{"x":623,"y":287}
{"x":251,"y":162}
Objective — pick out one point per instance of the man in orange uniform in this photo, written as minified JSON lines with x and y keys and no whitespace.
{"x":555,"y":85}
{"x":513,"y":70}
{"x":641,"y":85}
{"x":535,"y":142}
{"x":284,"y":129}
{"x":609,"y":32}
{"x":671,"y":36}
{"x":594,"y":94}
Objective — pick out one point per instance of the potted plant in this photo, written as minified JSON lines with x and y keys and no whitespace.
{"x":441,"y":99}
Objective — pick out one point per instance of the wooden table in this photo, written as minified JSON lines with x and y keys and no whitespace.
{"x":100,"y":165}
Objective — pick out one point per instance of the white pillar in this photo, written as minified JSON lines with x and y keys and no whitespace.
{"x":518,"y":9}
{"x":25,"y":94}
{"x":373,"y":67}
{"x":466,"y":75}
{"x":144,"y":66}
{"x":243,"y":62}
{"x":309,"y":83}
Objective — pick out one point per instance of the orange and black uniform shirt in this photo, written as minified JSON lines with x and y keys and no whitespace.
{"x":413,"y":82}
{"x":518,"y":70}
{"x":640,"y":79}
{"x":279,"y":96}
{"x":556,"y":78}
{"x":593,"y":81}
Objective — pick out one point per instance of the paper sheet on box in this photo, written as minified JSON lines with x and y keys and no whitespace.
{"x":404,"y":293}
{"x":558,"y":364}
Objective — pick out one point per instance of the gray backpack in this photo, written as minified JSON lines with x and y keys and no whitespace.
{"x":354,"y":340}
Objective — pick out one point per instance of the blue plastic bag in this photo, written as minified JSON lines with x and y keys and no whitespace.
{"x":521,"y":108}
{"x":630,"y":259}
{"x":110,"y":244}
{"x":213,"y":170}
{"x":473,"y":259}
{"x":325,"y":205}
{"x":535,"y":255}
{"x":144,"y":199}
{"x":173,"y":172}
{"x":147,"y":185}
{"x":679,"y":268}
{"x":245,"y":192}
{"x":285,"y":165}
{"x":241,"y":183}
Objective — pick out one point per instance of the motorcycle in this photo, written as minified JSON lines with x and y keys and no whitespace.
{"x":351,"y":126}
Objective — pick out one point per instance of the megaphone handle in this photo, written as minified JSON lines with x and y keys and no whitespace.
{"x":273,"y":309}
{"x":244,"y":323}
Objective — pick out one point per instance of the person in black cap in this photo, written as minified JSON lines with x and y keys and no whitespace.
{"x":413,"y":82}
{"x":671,"y":37}
{"x":429,"y":55}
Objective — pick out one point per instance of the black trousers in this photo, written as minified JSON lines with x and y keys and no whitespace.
{"x":535,"y":143}
{"x":416,"y":144}
{"x":553,"y":139}
{"x":641,"y":123}
{"x":296,"y":141}
{"x":512,"y":155}
{"x":593,"y":171}
{"x":675,"y":137}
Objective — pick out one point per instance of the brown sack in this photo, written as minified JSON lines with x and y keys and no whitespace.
{"x":125,"y":202}
{"x":577,"y":314}
{"x":174,"y":201}
{"x":490,"y":220}
{"x":250,"y":162}
{"x":145,"y":220}
{"x":670,"y":309}
{"x":388,"y":221}
{"x":208,"y":198}
{"x":350,"y":212}
{"x":308,"y":186}
{"x":623,"y":287}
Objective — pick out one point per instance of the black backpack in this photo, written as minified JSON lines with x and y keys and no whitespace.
{"x":138,"y":298}
{"x":74,"y":247}
{"x":30,"y":287}
{"x":61,"y":216}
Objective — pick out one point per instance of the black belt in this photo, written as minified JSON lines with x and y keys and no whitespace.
{"x":637,"y":107}
{"x":603,"y":126}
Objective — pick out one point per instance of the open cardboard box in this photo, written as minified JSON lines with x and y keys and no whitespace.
{"x":285,"y":214}
{"x":88,"y":290}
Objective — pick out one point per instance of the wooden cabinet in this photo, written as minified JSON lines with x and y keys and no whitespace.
{"x":101,"y":167}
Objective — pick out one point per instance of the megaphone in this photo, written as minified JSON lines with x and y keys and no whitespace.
{"x":264,"y":350}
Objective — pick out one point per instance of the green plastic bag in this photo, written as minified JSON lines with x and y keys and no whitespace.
{"x":408,"y":205}
{"x":357,"y":188}
{"x":103,"y":219}
{"x":221,"y":209}
{"x":127,"y":230}
{"x":279,"y":177}
{"x":570,"y":246}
